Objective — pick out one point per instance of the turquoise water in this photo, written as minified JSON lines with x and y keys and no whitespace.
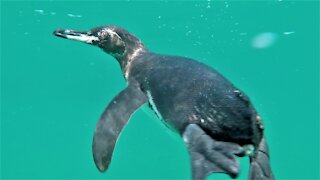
{"x":53,"y":90}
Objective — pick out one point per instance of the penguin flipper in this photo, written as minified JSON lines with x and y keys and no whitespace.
{"x":112,"y":121}
{"x":260,"y":164}
{"x":210,"y":156}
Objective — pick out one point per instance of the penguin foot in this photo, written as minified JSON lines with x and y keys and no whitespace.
{"x":211,"y":156}
{"x":260,"y":163}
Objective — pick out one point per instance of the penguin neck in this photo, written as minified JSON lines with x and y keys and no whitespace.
{"x":128,"y":57}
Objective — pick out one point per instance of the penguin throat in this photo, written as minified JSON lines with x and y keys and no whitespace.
{"x":128,"y":57}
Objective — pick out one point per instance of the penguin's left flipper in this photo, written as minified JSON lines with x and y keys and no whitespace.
{"x":210,"y":156}
{"x":112,"y":121}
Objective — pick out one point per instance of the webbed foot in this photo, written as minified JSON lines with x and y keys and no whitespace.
{"x":211,"y":156}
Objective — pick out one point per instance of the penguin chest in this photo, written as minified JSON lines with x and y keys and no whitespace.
{"x":162,"y":113}
{"x":153,"y":106}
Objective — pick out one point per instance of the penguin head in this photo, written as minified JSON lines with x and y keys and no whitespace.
{"x":111,"y":39}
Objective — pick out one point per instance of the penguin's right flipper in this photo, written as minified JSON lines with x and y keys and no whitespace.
{"x":260,"y":163}
{"x":210,"y":156}
{"x":112,"y":121}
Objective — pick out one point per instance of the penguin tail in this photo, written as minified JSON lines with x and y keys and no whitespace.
{"x":260,"y":168}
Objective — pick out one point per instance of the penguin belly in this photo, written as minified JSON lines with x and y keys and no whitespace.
{"x":181,"y":97}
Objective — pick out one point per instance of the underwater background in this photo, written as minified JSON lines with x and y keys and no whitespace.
{"x":54,"y":90}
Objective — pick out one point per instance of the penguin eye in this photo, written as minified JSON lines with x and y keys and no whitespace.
{"x":107,"y":35}
{"x":103,"y":33}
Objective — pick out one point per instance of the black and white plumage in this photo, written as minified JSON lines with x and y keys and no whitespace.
{"x":215,"y":119}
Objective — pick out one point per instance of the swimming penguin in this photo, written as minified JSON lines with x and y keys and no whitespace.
{"x":215,"y":119}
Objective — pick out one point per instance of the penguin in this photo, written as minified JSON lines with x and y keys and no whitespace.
{"x":216,"y":120}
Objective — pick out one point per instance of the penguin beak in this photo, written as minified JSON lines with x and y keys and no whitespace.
{"x":83,"y":36}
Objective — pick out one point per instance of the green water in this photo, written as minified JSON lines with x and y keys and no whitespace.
{"x":53,"y":90}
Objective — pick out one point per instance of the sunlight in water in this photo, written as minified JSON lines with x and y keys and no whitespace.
{"x":264,"y":40}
